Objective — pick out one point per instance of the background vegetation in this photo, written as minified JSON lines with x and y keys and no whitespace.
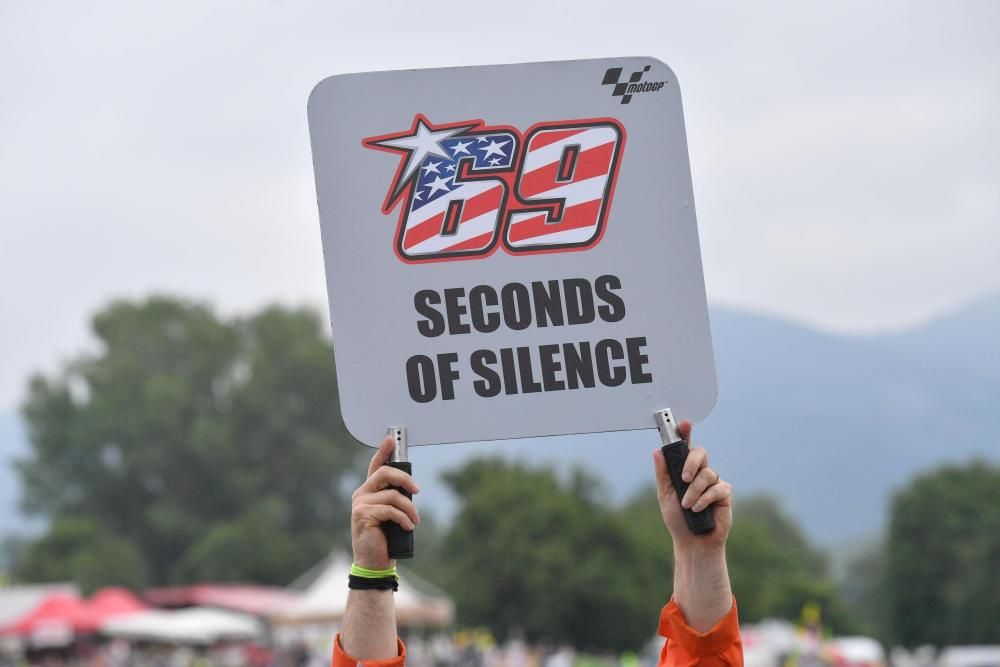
{"x":192,"y":447}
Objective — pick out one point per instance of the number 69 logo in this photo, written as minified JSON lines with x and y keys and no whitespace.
{"x":465,"y":186}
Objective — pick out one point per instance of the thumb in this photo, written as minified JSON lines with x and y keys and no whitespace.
{"x":381,"y":456}
{"x":684,"y":429}
{"x":663,"y":484}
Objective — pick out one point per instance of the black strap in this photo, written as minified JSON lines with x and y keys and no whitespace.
{"x":365,"y":584}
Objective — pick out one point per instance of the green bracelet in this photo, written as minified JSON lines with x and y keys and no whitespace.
{"x":366,"y":573}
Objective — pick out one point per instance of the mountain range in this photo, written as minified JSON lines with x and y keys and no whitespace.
{"x":830,"y":424}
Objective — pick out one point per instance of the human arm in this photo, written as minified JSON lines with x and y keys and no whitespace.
{"x":368,"y":632}
{"x":700,"y":621}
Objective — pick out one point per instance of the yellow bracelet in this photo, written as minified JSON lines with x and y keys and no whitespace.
{"x":367,"y":573}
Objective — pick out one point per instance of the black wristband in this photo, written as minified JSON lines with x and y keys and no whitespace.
{"x":366,"y":584}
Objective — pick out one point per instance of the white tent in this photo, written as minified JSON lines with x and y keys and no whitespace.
{"x":196,"y":625}
{"x":325,"y":598}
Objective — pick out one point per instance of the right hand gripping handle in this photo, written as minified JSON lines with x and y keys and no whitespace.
{"x":675,"y":455}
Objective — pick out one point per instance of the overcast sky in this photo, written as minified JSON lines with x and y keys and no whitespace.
{"x":846,"y":156}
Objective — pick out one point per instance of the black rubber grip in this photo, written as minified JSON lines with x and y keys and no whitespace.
{"x":676,"y":454}
{"x":400,"y":541}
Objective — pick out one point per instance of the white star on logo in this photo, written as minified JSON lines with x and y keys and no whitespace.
{"x":416,"y":195}
{"x":461,"y":147}
{"x":451,"y":167}
{"x":417,"y":146}
{"x":438,"y":184}
{"x":493,"y":148}
{"x":431,"y":166}
{"x":480,"y":139}
{"x":494,"y":162}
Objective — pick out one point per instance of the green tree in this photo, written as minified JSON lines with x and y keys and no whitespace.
{"x":554,"y":561}
{"x":943,"y":558}
{"x":527,"y":553}
{"x":862,"y":587}
{"x":213,"y":447}
{"x":776,"y":571}
{"x":653,"y":561}
{"x":80,"y":550}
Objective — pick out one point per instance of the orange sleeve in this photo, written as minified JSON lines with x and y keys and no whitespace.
{"x":341,"y":659}
{"x":686,"y":646}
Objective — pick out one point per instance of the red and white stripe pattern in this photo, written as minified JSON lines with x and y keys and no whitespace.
{"x":587,"y":156}
{"x":477,"y":225}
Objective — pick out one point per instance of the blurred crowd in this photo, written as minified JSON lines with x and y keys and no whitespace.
{"x":122,"y":653}
{"x":478,"y":648}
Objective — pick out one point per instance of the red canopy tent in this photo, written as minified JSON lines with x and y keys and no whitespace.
{"x":106,"y":603}
{"x":69,"y":613}
{"x":56,"y":612}
{"x":243,"y":598}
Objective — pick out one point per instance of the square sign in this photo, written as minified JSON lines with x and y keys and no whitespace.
{"x":511,"y":250}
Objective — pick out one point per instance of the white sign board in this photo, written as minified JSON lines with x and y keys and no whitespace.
{"x":511,"y":250}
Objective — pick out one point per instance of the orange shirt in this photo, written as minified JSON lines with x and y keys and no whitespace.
{"x":684,"y":646}
{"x":721,"y":645}
{"x":341,"y":659}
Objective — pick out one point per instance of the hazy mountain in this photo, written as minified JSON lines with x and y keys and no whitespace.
{"x":830,"y":424}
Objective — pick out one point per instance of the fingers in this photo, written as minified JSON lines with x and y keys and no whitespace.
{"x":376,"y":501}
{"x":663,"y":483}
{"x":705,"y":478}
{"x":383,"y":513}
{"x":382,"y":455}
{"x":697,"y":459}
{"x":387,"y":476}
{"x":393,"y":498}
{"x":720,"y":494}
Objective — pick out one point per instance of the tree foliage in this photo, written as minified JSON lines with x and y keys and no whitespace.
{"x":943,"y":558}
{"x":82,"y":551}
{"x":202,"y":447}
{"x":530,"y":554}
{"x":774,"y":569}
{"x":863,"y":588}
{"x":552,"y":560}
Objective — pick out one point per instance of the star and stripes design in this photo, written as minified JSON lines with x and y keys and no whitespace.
{"x":459,"y":177}
{"x":437,"y":187}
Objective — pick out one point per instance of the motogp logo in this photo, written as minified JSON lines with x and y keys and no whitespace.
{"x":466,"y":186}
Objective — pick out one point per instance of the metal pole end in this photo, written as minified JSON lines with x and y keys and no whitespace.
{"x":399,"y":448}
{"x":667,"y":426}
